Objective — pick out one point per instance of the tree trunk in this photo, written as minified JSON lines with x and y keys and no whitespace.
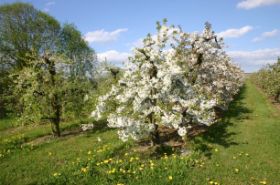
{"x":277,"y":97}
{"x":156,"y":136}
{"x":54,"y":98}
{"x":56,"y":119}
{"x":55,"y":129}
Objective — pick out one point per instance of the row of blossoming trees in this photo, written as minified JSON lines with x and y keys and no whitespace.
{"x":268,"y":78}
{"x":177,"y":80}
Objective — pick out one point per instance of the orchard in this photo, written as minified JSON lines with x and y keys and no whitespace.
{"x":99,"y":101}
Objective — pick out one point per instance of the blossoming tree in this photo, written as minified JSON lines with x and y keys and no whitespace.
{"x":176,"y":80}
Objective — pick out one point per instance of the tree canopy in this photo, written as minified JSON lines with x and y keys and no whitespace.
{"x":47,"y":67}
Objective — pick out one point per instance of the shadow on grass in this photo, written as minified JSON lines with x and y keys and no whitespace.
{"x":72,"y":130}
{"x":219,"y":133}
{"x":99,"y":126}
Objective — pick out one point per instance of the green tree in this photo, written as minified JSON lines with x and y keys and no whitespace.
{"x":81,"y":73}
{"x":52,"y":67}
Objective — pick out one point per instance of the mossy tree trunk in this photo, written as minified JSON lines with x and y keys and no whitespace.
{"x":54,"y":98}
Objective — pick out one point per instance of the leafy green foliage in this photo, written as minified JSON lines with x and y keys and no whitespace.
{"x":49,"y":69}
{"x":268,"y":79}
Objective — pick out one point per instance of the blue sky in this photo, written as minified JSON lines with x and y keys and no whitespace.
{"x":251,"y":27}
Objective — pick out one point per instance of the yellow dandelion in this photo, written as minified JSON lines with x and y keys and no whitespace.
{"x":126,"y":154}
{"x":120,"y":184}
{"x":216,"y":150}
{"x":89,"y":152}
{"x":84,"y":170}
{"x":170,"y":177}
{"x":263,"y":182}
{"x":236,"y":170}
{"x":113,"y":170}
{"x":56,"y":174}
{"x":49,"y":153}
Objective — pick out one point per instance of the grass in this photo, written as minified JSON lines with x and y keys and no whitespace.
{"x":6,"y":123}
{"x":242,"y":149}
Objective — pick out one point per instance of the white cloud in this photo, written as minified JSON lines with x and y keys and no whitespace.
{"x":265,"y":35}
{"x":113,"y":56}
{"x":48,"y":5}
{"x":103,"y":36}
{"x":249,"y":4}
{"x":271,"y":33}
{"x":254,"y":60}
{"x":235,"y":32}
{"x":138,"y":43}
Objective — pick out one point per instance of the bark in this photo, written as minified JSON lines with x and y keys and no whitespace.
{"x":155,"y":134}
{"x":54,"y":100}
{"x":277,"y":97}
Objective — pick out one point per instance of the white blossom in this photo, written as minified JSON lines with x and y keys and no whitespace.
{"x":175,"y":80}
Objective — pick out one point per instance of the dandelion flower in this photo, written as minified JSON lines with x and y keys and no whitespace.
{"x":170,"y":177}
{"x":263,"y":182}
{"x":56,"y":174}
{"x":84,"y":170}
